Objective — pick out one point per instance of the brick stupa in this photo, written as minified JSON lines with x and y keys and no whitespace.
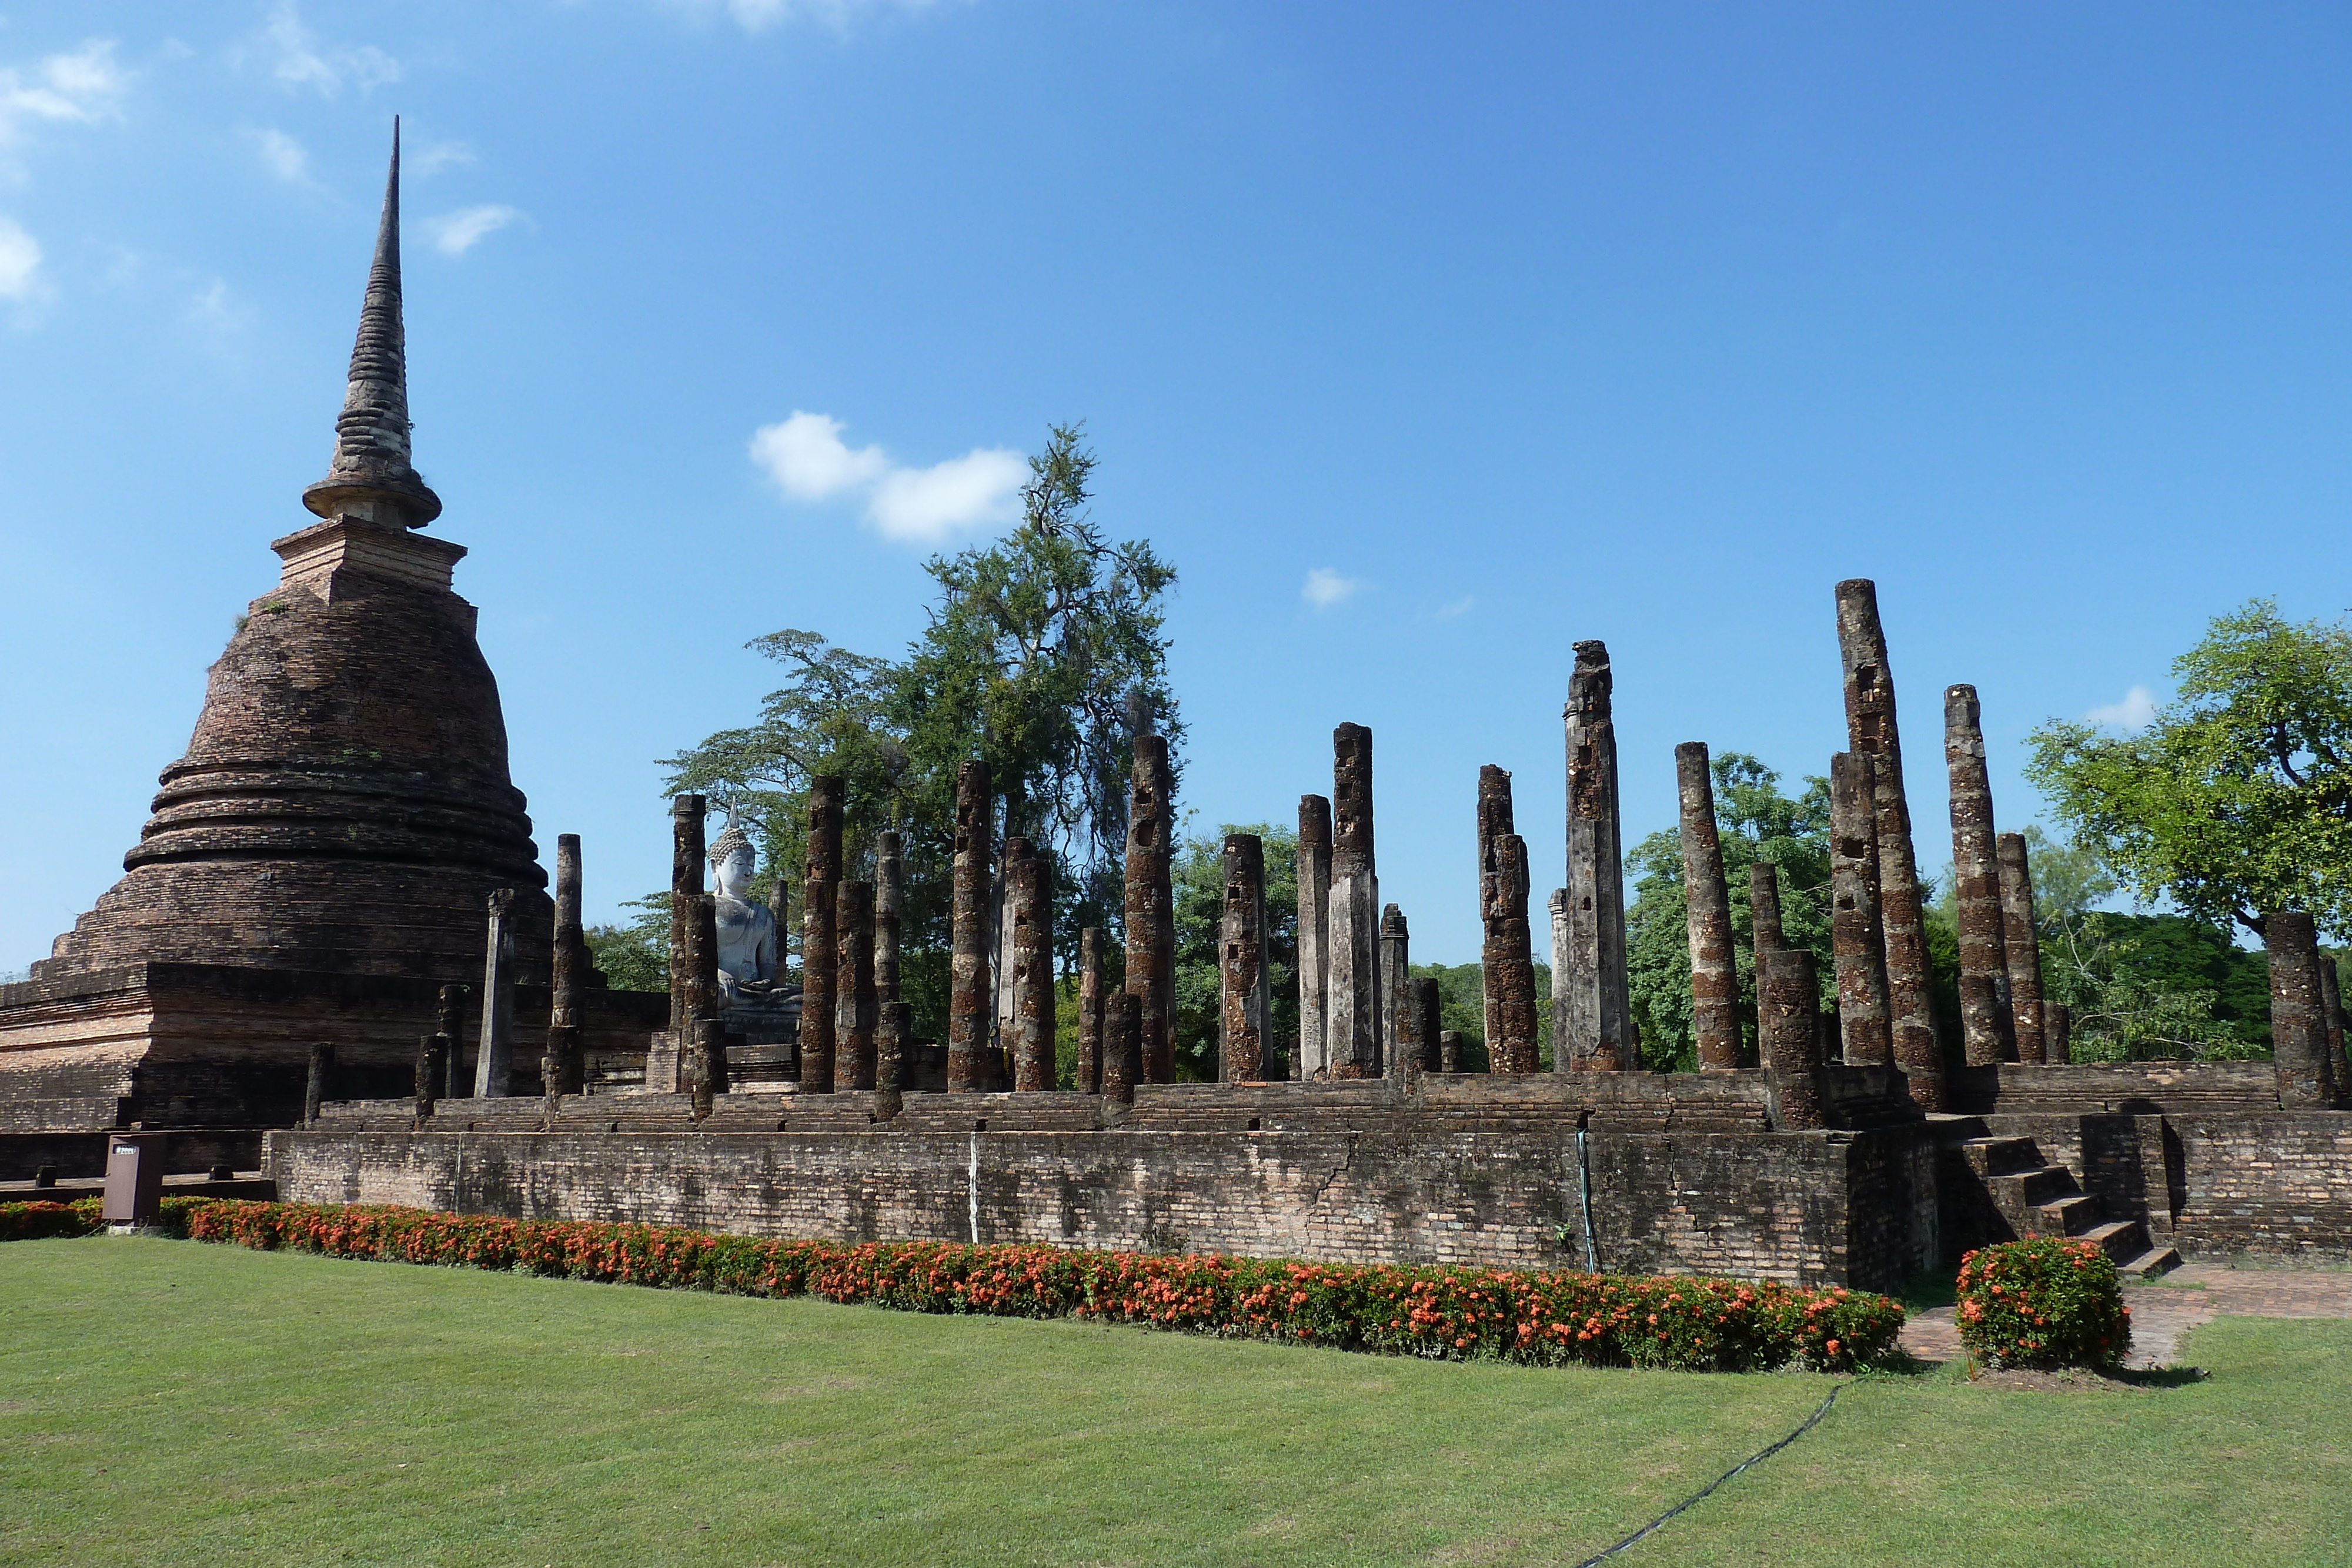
{"x":319,"y":862}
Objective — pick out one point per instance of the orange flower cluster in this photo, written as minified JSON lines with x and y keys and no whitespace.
{"x":2046,"y":1300}
{"x":1541,"y":1318}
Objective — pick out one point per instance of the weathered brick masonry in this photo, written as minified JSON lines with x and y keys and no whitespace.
{"x":2198,"y":1152}
{"x":1772,"y":1206}
{"x":1684,"y":1175}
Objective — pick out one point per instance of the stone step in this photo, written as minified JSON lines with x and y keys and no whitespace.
{"x":2069,"y":1216}
{"x":2032,"y":1189}
{"x":2149,"y":1264}
{"x":2120,"y":1238}
{"x":2000,"y":1156}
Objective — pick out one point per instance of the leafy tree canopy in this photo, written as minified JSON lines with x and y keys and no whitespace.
{"x":1042,"y":654}
{"x":2237,"y":800}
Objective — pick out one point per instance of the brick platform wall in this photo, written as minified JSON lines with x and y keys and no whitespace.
{"x":2275,"y":1183}
{"x":1779,"y":1206}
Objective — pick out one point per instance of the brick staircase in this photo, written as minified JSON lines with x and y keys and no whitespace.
{"x":2038,"y":1199}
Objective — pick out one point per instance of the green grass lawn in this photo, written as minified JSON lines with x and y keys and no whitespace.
{"x":172,"y":1403}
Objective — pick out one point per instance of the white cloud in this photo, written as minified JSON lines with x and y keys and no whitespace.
{"x":931,"y":503}
{"x":1326,"y":588}
{"x":283,"y":156}
{"x":215,"y":309}
{"x":2136,"y":711}
{"x":300,"y":60}
{"x":808,"y":461}
{"x":454,"y":233}
{"x":426,"y":159}
{"x":20,"y":263}
{"x":1459,"y":607}
{"x":759,"y":16}
{"x":80,"y":88}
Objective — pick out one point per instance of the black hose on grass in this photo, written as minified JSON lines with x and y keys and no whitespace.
{"x":1708,"y":1491}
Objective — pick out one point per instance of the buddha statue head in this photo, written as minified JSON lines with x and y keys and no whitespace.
{"x":732,"y":861}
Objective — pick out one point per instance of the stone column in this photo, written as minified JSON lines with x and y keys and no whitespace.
{"x":686,"y":857}
{"x":561,"y":1069}
{"x":1090,"y":1010}
{"x":1395,"y":969}
{"x":1150,"y":919}
{"x":2020,"y":945}
{"x":1449,"y":1051}
{"x":1506,"y":966}
{"x":1764,"y":914}
{"x":1984,"y":963}
{"x":1600,"y":1008}
{"x":2307,"y":1080}
{"x":821,"y":937}
{"x":317,"y":1085}
{"x":1558,"y":905}
{"x":2057,"y":1033}
{"x":1122,"y":1059}
{"x":494,"y":1065}
{"x":968,"y":982}
{"x":1422,"y":1009}
{"x":1352,"y":997}
{"x":1870,"y":729}
{"x":1241,"y":961}
{"x":1854,"y":934}
{"x":706,"y":1058}
{"x":2331,"y":1014}
{"x":895,"y":1027}
{"x":1707,"y":905}
{"x":1789,"y":1010}
{"x":1313,"y":1056}
{"x":432,"y":1071}
{"x":857,"y":1002}
{"x":1029,"y":909}
{"x":449,"y":1028}
{"x":889,"y":913}
{"x":703,"y":999}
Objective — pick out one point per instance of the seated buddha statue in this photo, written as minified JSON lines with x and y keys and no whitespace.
{"x":747,"y":929}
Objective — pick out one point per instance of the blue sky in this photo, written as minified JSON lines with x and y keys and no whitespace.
{"x":1424,"y":341}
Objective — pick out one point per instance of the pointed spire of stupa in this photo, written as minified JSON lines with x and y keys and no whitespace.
{"x":371,"y":475}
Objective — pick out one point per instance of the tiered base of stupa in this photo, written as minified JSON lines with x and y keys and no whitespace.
{"x":219,"y":1045}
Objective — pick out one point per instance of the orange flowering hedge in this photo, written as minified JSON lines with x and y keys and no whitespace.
{"x":1545,"y":1318}
{"x":2043,"y":1301}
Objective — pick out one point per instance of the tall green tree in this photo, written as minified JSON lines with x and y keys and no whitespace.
{"x":1041,"y":654}
{"x":2237,"y":800}
{"x":1754,"y":821}
{"x":1044,"y":654}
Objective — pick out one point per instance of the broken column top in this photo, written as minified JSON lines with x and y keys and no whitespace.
{"x":1869,"y":688}
{"x":1352,"y":796}
{"x":1589,"y":684}
{"x":1962,"y":710}
{"x":1314,"y":822}
{"x":1494,"y":804}
{"x":1392,"y":922}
